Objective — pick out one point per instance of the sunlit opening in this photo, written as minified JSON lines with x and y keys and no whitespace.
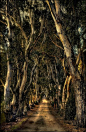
{"x":44,"y":101}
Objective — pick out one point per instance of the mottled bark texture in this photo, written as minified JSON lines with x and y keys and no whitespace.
{"x":80,"y":113}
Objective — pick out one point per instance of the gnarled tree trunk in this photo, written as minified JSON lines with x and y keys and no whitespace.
{"x":80,"y":104}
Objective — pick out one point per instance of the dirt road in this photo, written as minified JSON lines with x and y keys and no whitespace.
{"x":42,"y":120}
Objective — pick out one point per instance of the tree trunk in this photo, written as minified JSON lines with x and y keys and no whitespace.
{"x":68,"y":83}
{"x":13,"y":99}
{"x":21,"y":90}
{"x":80,"y":103}
{"x":31,"y":77}
{"x":7,"y":83}
{"x":63,"y":93}
{"x":7,"y":86}
{"x":36,"y":85}
{"x":80,"y":113}
{"x":61,"y":33}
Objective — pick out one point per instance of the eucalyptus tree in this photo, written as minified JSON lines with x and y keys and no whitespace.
{"x":40,"y":31}
{"x":77,"y":79}
{"x":8,"y":43}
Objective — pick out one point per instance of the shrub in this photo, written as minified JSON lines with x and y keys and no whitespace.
{"x":3,"y":119}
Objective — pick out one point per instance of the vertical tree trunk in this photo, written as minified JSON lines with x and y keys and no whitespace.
{"x":21,"y":90}
{"x":8,"y":78}
{"x":36,"y":85}
{"x":7,"y":86}
{"x":80,"y":103}
{"x":63,"y":94}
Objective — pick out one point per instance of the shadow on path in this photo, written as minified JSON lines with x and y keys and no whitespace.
{"x":41,"y":120}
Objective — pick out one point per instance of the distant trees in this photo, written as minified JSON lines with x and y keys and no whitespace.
{"x":43,"y":46}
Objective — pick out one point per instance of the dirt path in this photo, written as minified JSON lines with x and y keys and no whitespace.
{"x":42,"y":120}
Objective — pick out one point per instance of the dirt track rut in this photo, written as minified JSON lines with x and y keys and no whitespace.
{"x":41,"y":120}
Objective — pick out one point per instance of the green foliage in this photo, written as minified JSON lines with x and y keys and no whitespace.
{"x":18,"y":125}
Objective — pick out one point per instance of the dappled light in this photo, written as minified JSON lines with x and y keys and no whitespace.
{"x":42,"y":120}
{"x":43,"y":65}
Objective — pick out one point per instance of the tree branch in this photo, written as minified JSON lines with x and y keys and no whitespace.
{"x":56,"y":44}
{"x":2,"y":82}
{"x":3,"y":22}
{"x":17,"y":24}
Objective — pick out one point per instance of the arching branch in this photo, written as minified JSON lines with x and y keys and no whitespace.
{"x":17,"y":24}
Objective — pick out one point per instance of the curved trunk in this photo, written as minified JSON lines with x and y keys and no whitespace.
{"x":21,"y":90}
{"x":24,"y":79}
{"x":61,"y":33}
{"x":80,"y":113}
{"x":64,"y":100}
{"x":63,"y":93}
{"x":68,"y":83}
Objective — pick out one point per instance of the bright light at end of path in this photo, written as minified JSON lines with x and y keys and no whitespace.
{"x":44,"y":101}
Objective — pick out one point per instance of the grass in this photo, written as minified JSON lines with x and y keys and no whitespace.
{"x":15,"y":127}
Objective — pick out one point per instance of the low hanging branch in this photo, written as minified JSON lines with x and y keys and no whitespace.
{"x":56,"y":36}
{"x":35,"y":42}
{"x":56,"y":44}
{"x":2,"y":82}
